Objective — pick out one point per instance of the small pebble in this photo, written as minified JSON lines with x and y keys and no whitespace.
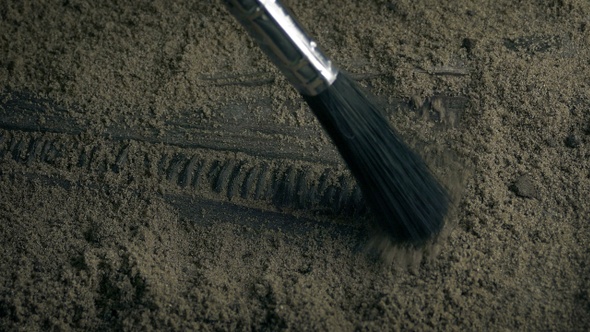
{"x":572,"y":141}
{"x":468,"y":44}
{"x":524,"y":187}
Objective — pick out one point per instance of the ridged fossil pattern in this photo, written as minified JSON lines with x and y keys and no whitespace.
{"x":244,"y":180}
{"x":239,"y":169}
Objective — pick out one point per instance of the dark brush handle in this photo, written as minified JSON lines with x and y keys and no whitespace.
{"x":285,"y":42}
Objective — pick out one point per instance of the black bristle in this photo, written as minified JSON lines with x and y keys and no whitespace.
{"x":409,"y":204}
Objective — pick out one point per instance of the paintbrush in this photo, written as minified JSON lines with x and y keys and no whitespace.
{"x":408,"y":203}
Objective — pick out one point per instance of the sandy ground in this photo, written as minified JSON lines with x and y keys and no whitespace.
{"x":158,"y":173}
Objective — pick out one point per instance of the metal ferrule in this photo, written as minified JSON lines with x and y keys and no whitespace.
{"x":286,"y":43}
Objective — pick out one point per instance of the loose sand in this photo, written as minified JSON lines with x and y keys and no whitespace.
{"x":157,"y":173}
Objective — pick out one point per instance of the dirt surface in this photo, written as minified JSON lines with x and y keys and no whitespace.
{"x":157,"y":173}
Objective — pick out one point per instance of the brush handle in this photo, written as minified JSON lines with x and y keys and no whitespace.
{"x":285,"y":42}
